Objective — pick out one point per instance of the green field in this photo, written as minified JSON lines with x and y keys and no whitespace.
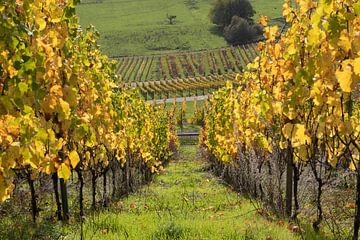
{"x":140,"y":27}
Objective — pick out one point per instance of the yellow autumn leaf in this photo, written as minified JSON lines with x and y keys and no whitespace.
{"x":40,"y":22}
{"x":332,"y":159}
{"x":299,"y":136}
{"x":57,"y":90}
{"x":51,"y":136}
{"x":64,"y":171}
{"x":352,"y":166}
{"x":314,"y":36}
{"x":277,"y":108}
{"x":345,"y":41}
{"x":354,"y":162}
{"x":283,"y":144}
{"x":290,"y":113}
{"x":296,"y":133}
{"x":345,"y":128}
{"x":318,"y":100}
{"x":291,"y":49}
{"x":272,"y":32}
{"x":263,"y":20}
{"x":87,"y":156}
{"x":357,"y":66}
{"x":5,"y":189}
{"x":265,"y":144}
{"x":12,"y":71}
{"x":305,"y":5}
{"x":65,"y":109}
{"x":287,"y":130}
{"x":303,"y":153}
{"x":28,"y":158}
{"x":345,"y":79}
{"x":146,"y":156}
{"x":74,"y":158}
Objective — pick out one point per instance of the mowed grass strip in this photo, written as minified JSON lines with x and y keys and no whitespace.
{"x":140,"y":27}
{"x":184,"y":202}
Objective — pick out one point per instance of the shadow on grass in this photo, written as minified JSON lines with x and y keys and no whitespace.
{"x":216,"y":30}
{"x":171,"y":231}
{"x":20,"y":227}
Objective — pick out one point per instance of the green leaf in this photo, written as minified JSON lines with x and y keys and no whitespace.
{"x":28,"y":110}
{"x":357,"y":8}
{"x":6,"y":105}
{"x":14,"y":42}
{"x":29,"y":65}
{"x":42,"y":135}
{"x":23,"y":88}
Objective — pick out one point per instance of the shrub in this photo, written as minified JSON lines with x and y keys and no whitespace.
{"x":241,"y":31}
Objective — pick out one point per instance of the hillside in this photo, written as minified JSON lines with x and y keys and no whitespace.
{"x":140,"y":27}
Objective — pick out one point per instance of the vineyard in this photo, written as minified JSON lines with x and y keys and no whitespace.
{"x":187,"y":73}
{"x":280,"y":124}
{"x":186,"y":64}
{"x":64,"y":127}
{"x":193,"y":86}
{"x":290,"y":134}
{"x":184,"y":74}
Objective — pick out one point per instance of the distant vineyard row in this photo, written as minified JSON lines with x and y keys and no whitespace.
{"x":181,"y":87}
{"x":186,"y":64}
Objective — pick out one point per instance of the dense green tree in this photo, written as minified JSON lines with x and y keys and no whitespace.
{"x":241,"y":31}
{"x":223,"y":11}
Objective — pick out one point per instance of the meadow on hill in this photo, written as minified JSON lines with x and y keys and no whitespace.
{"x":140,"y":27}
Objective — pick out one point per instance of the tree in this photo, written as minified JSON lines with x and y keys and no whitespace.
{"x":241,"y":30}
{"x":171,"y":18}
{"x":223,"y":11}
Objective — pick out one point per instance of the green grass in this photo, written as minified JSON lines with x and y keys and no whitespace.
{"x":184,"y":202}
{"x":272,"y":9}
{"x":140,"y":27}
{"x":21,"y":227}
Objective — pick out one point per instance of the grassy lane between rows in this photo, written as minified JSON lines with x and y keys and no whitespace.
{"x":184,"y":202}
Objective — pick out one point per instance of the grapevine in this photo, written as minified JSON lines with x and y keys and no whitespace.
{"x":60,"y":110}
{"x":298,"y":100}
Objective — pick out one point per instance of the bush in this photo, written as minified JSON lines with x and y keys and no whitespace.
{"x":241,"y":31}
{"x":223,"y":11}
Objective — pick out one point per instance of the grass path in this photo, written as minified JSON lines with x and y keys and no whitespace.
{"x":184,"y":202}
